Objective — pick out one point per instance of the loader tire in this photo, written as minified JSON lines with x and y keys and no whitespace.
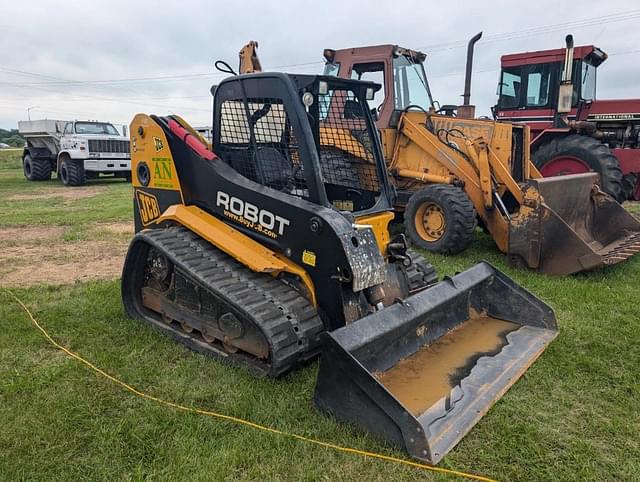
{"x":71,"y":172}
{"x":440,"y":218}
{"x":36,"y":169}
{"x":575,"y":154}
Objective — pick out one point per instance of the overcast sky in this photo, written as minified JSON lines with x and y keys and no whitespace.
{"x":111,"y":49}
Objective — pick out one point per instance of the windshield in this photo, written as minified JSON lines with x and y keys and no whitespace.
{"x":96,"y":128}
{"x":410,"y":84}
{"x":331,"y":69}
{"x":588,"y":81}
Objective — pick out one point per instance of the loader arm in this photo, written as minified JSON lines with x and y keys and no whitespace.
{"x":558,"y":225}
{"x":477,"y":181}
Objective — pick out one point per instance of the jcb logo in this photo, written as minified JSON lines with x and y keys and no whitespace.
{"x":147,"y":206}
{"x":157,"y":142}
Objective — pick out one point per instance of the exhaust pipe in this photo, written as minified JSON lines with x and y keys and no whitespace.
{"x":565,"y":96}
{"x":466,"y":110}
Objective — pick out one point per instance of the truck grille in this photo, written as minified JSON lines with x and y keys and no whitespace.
{"x":104,"y":145}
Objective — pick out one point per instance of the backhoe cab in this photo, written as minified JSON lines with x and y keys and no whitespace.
{"x":276,"y":247}
{"x":450,"y":169}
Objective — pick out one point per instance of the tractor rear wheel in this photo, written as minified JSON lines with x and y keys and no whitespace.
{"x":629,"y":184}
{"x":576,"y":154}
{"x":440,"y":218}
{"x":36,"y":169}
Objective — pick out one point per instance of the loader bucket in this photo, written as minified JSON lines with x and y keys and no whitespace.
{"x":422,"y":372}
{"x":567,"y":225}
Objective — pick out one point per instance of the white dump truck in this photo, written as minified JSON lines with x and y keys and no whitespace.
{"x":76,"y":150}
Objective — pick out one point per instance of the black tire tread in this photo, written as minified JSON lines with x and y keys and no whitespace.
{"x":76,"y":173}
{"x":40,"y":168}
{"x":461,"y":221}
{"x":591,"y":151}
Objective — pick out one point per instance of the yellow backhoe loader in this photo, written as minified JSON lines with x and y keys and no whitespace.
{"x":451,"y":169}
{"x":274,"y":247}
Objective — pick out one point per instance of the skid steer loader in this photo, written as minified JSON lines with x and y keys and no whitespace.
{"x":276,"y":247}
{"x":451,"y":169}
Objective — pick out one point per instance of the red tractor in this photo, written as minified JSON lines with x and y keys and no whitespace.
{"x":554,"y":92}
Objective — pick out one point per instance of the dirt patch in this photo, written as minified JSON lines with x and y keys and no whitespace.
{"x":62,"y":263}
{"x":123,"y":227}
{"x":66,"y":193}
{"x":32,"y":234}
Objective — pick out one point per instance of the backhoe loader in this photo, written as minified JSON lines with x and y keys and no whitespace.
{"x":451,"y":169}
{"x":274,"y":247}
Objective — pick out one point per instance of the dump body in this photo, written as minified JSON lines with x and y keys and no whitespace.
{"x":421,"y":373}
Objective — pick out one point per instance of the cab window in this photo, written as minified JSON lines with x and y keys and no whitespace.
{"x":68,"y":129}
{"x":372,"y":72}
{"x":538,"y":85}
{"x":509,"y":87}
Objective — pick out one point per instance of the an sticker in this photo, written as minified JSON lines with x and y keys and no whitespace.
{"x":309,"y":257}
{"x":157,"y":142}
{"x":147,"y":206}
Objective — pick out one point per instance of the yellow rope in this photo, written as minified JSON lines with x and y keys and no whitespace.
{"x":241,"y":421}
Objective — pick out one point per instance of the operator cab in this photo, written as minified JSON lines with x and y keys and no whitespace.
{"x":400,"y":71}
{"x":313,"y":138}
{"x":530,"y":80}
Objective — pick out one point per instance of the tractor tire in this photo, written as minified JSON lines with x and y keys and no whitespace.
{"x":629,"y":182}
{"x":36,"y":169}
{"x":71,"y":172}
{"x":575,"y":154}
{"x":440,"y":218}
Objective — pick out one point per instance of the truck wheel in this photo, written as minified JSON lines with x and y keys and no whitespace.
{"x":440,"y":218}
{"x":36,"y":169}
{"x":71,"y":172}
{"x":575,"y":154}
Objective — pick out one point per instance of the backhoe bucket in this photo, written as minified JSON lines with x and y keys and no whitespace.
{"x":422,"y":372}
{"x":567,"y":225}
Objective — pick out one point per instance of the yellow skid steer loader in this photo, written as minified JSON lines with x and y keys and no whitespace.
{"x":276,"y":247}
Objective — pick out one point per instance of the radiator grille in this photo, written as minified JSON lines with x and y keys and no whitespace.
{"x":105,"y":145}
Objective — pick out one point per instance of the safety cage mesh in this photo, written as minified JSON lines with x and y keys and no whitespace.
{"x":257,"y":140}
{"x":346,"y":153}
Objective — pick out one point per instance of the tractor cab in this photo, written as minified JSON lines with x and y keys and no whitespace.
{"x":529,"y":85}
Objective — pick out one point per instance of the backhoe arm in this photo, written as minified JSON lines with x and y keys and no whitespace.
{"x":249,"y":61}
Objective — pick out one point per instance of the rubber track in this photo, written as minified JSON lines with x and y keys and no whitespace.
{"x":289,"y":322}
{"x":421,"y":274}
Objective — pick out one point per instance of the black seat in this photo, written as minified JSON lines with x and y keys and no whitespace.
{"x":273,"y":167}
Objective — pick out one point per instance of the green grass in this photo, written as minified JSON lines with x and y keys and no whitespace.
{"x":112,"y":203}
{"x":575,"y":415}
{"x":10,"y":159}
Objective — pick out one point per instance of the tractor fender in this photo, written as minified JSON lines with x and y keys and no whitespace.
{"x":547,"y":135}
